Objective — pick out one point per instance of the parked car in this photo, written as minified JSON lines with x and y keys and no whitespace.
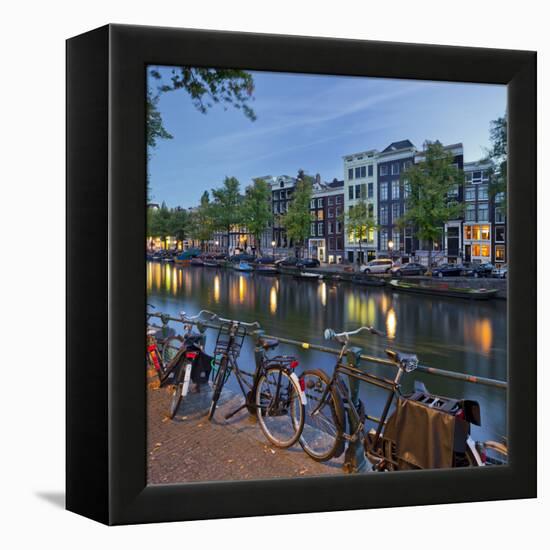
{"x":308,"y":262}
{"x":290,"y":261}
{"x":447,"y":270}
{"x":266,"y":260}
{"x":478,"y":270}
{"x":377,"y":266}
{"x":408,"y":269}
{"x":500,"y":271}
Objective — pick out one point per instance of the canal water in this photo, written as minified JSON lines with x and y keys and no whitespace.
{"x":451,"y":334}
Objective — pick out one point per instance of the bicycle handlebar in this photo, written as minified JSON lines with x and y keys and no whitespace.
{"x":186,"y":317}
{"x":216,"y":317}
{"x":330,"y":334}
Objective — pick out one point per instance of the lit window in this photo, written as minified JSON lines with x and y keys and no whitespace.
{"x":475,"y":250}
{"x":500,"y":253}
{"x":485,"y":250}
{"x":485,"y":233}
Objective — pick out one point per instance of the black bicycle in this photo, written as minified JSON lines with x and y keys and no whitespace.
{"x":335,"y":416}
{"x":273,"y":392}
{"x":194,"y":367}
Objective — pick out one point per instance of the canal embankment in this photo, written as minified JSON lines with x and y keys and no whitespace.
{"x":192,"y":449}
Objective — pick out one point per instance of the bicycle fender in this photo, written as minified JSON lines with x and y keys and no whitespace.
{"x":303,"y":397}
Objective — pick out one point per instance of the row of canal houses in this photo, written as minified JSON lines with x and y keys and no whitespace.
{"x":378,"y":178}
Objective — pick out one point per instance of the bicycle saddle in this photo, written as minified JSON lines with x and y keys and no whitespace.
{"x":269,"y":343}
{"x":408,"y":360}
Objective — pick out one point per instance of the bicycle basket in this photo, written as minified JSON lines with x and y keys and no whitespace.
{"x":425,"y":437}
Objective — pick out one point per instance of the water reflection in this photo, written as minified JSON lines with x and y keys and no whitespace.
{"x":450,"y":334}
{"x":273,"y":300}
{"x":391,"y":324}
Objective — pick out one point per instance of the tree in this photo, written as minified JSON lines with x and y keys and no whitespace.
{"x":178,"y":224}
{"x":497,"y":155}
{"x":200,"y":226}
{"x":256,"y":210}
{"x":297,"y":221}
{"x":206,"y":87}
{"x":359,"y":222}
{"x":431,"y":185}
{"x":159,"y":223}
{"x":226,"y":208}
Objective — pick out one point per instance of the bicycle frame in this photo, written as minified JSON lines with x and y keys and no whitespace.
{"x":354,"y":373}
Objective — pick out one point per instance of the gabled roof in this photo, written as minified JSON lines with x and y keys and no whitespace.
{"x":397,"y":145}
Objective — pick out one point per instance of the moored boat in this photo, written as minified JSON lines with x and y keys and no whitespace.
{"x":444,"y":290}
{"x":367,"y":280}
{"x":186,"y":256}
{"x":197,"y":261}
{"x":308,"y":276}
{"x":243,"y":266}
{"x":266,"y":269}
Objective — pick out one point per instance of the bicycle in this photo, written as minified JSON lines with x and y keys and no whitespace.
{"x":165,"y":355}
{"x":191,"y":346}
{"x":274,"y":394}
{"x":331,"y":406}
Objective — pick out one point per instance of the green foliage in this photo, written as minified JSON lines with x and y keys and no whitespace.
{"x":498,"y":157}
{"x":359,"y":221}
{"x":431,"y":182}
{"x":298,"y":218}
{"x":159,"y":222}
{"x":226,"y":207}
{"x":256,"y":209}
{"x":178,"y":224}
{"x":201,"y":225}
{"x":155,"y":128}
{"x":206,"y":87}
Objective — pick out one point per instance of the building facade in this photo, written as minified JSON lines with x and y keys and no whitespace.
{"x":393,"y":240}
{"x":479,"y":211}
{"x":326,"y":240}
{"x":360,"y":183}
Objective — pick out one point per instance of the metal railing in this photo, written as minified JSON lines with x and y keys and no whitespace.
{"x":501,"y":384}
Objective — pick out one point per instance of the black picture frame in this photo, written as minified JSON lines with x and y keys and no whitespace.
{"x":106,"y":179}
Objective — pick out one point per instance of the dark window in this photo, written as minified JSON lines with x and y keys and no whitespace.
{"x":363,"y":171}
{"x":371,"y":188}
{"x":350,"y":173}
{"x":357,"y":191}
{"x":384,"y":170}
{"x":370,"y":170}
{"x":350,"y":192}
{"x":357,"y":172}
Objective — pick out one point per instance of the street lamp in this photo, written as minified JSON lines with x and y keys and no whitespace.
{"x":390,"y":247}
{"x":273,"y":243}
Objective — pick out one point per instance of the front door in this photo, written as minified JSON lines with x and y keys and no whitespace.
{"x":321,"y":252}
{"x":468,"y":253}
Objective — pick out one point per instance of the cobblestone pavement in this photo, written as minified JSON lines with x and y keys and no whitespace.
{"x":190,"y":448}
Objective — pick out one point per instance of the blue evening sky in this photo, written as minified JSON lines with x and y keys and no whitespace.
{"x":311,"y":122}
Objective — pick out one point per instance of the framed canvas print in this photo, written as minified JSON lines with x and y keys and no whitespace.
{"x":301,"y":274}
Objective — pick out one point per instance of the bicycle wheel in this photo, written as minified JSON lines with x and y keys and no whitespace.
{"x":322,"y":434}
{"x":218,"y":386}
{"x":177,"y":391}
{"x":279,"y":407}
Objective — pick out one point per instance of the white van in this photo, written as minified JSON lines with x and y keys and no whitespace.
{"x":378,"y":266}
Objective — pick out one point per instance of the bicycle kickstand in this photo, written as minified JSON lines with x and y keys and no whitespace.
{"x":231,"y":414}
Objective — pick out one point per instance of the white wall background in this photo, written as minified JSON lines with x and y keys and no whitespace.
{"x":32,"y":130}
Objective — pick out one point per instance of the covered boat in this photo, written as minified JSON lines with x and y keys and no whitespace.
{"x":444,"y":290}
{"x":243,"y":266}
